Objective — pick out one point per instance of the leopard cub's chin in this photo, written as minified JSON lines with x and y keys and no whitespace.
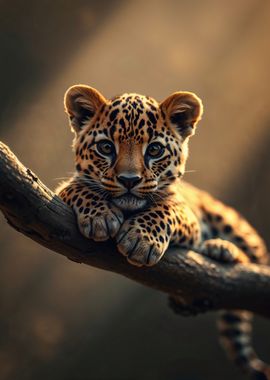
{"x":129,"y":203}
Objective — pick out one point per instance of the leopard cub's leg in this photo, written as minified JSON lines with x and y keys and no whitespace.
{"x":97,"y":219}
{"x":144,"y":238}
{"x":223,"y":251}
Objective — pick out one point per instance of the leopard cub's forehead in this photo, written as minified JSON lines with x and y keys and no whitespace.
{"x":134,"y":101}
{"x":132,"y":117}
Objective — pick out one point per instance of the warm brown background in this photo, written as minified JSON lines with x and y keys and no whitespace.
{"x":64,"y":321}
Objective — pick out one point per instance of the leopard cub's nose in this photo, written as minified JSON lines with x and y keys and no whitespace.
{"x":129,"y":182}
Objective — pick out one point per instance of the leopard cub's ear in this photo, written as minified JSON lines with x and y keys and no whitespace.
{"x":183,"y":110}
{"x":81,"y":104}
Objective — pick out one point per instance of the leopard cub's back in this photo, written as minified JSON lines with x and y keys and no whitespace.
{"x":221,"y":221}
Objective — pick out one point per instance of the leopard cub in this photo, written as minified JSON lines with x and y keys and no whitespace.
{"x":130,"y":154}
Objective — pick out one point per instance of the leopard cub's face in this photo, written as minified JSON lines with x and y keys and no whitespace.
{"x":131,"y":148}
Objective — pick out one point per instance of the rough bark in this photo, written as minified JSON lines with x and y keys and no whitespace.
{"x":34,"y":210}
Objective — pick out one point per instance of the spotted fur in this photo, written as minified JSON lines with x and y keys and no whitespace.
{"x":130,"y":155}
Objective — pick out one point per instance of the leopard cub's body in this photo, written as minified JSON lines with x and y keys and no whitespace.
{"x":131,"y":153}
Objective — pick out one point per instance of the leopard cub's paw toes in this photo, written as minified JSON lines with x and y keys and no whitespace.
{"x":214,"y":251}
{"x":139,"y":248}
{"x":102,"y":225}
{"x":223,"y":251}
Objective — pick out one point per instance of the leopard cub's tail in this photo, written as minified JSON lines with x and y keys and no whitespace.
{"x":235,"y":331}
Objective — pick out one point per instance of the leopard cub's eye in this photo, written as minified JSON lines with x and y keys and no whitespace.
{"x":155,"y":150}
{"x":105,"y":147}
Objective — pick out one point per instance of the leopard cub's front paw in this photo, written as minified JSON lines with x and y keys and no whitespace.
{"x":138,"y":245}
{"x":102,"y":224}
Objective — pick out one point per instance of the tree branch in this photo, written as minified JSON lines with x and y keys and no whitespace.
{"x":32,"y":209}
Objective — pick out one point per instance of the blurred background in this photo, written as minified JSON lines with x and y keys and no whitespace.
{"x":65,"y":321}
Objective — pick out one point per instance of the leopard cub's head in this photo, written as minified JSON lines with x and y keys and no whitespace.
{"x":131,"y":148}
